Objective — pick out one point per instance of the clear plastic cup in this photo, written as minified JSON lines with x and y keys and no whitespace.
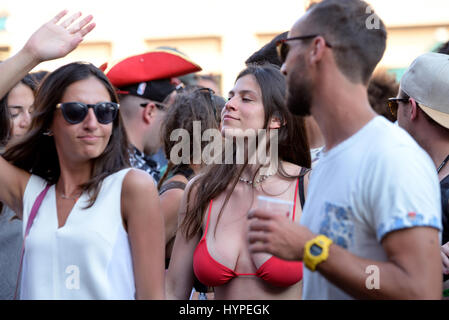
{"x":275,"y":205}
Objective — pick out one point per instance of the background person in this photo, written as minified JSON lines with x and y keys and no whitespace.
{"x":16,"y":110}
{"x":422,"y":110}
{"x":381,"y":87}
{"x":193,"y":105}
{"x":146,"y":90}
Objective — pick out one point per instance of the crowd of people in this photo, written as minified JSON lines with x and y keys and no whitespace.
{"x":143,"y":182}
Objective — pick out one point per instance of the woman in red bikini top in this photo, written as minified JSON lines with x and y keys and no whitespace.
{"x":212,"y":244}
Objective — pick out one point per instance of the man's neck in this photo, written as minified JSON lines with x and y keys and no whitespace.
{"x":341,"y":108}
{"x":134,"y":134}
{"x":137,"y":143}
{"x":316,"y":139}
{"x":438,"y":149}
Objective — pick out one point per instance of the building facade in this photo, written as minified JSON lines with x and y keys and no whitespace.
{"x":218,"y":35}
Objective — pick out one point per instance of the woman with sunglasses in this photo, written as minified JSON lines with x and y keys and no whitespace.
{"x":212,"y":241}
{"x":89,"y":238}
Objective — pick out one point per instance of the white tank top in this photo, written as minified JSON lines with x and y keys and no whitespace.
{"x":88,"y":258}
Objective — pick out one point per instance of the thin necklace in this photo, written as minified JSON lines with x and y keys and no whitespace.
{"x":442,"y":164}
{"x":63,"y":196}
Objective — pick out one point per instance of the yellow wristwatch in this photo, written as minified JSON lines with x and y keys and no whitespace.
{"x":316,"y":251}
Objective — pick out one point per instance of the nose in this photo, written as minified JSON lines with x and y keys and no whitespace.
{"x":90,"y":122}
{"x":230,"y":105}
{"x":25,"y":120}
{"x":284,"y":69}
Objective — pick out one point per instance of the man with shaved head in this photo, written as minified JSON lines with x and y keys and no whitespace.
{"x":371,"y":222}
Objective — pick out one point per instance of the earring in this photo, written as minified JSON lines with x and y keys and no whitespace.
{"x":48,"y":133}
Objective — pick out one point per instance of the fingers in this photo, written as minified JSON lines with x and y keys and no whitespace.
{"x":259,"y":225}
{"x":59,"y":16}
{"x":445,"y":260}
{"x":257,"y":236}
{"x":259,"y":247}
{"x":81,"y":24}
{"x":445,"y":248}
{"x":82,"y":27}
{"x":67,"y":22}
{"x":260,"y":214}
{"x":87,"y":29}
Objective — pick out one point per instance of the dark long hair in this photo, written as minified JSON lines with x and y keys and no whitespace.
{"x":36,"y":152}
{"x":5,"y":123}
{"x":292,"y":144}
{"x":194,"y":103}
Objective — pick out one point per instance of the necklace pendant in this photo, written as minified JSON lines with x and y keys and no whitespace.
{"x":257,"y":181}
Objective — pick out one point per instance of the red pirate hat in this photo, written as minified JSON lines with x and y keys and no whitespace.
{"x":153,"y":65}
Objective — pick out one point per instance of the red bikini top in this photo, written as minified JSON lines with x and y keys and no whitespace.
{"x":275,"y":271}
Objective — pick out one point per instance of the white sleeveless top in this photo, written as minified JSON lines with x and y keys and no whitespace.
{"x":88,"y":258}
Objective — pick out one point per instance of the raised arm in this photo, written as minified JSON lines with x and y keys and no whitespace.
{"x":55,"y":39}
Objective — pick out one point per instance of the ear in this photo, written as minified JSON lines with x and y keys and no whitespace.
{"x":148,"y":112}
{"x":413,"y":110}
{"x":318,"y":49}
{"x":275,"y":123}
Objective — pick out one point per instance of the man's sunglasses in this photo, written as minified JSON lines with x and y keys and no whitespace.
{"x":76,"y":112}
{"x":159,"y":105}
{"x":393,"y":105}
{"x":282,"y":47}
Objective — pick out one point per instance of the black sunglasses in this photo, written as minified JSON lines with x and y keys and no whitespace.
{"x":393,"y":105}
{"x":159,"y":105}
{"x":282,"y":46}
{"x":76,"y":112}
{"x":210,"y":94}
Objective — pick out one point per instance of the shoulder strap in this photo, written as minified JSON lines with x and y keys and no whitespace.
{"x":34,"y":210}
{"x":302,"y":197}
{"x":172,"y":185}
{"x":294,"y":201}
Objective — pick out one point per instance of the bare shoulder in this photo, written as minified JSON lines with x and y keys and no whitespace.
{"x":291,"y":168}
{"x":189,"y":193}
{"x":138,"y":182}
{"x":138,"y":178}
{"x":139,"y":195}
{"x":178,"y":178}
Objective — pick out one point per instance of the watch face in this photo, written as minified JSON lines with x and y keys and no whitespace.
{"x":315,"y":250}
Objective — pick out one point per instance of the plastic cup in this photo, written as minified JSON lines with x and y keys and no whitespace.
{"x":275,"y":205}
